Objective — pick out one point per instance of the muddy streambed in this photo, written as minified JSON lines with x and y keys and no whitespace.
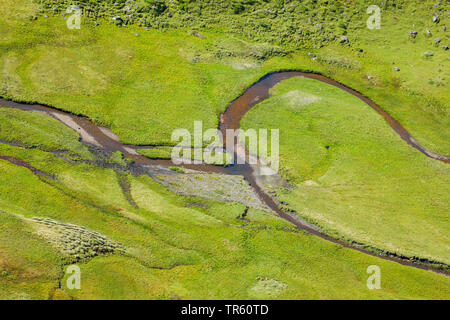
{"x":104,"y":139}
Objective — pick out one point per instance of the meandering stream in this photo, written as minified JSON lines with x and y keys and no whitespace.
{"x":104,"y":139}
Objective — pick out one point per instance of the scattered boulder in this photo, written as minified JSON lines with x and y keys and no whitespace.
{"x":413,"y":34}
{"x":444,"y":28}
{"x":428,"y":32}
{"x":118,"y":20}
{"x":435,"y":18}
{"x":428,"y":54}
{"x":397,"y":69}
{"x":344,"y":39}
{"x":445,"y":48}
{"x":312,"y":55}
{"x":196,"y":34}
{"x":437,"y":41}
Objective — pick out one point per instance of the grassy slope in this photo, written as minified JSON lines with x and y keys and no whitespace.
{"x":369,"y":186}
{"x":29,"y":268}
{"x":177,"y":247}
{"x":131,"y":84}
{"x":143,"y":87}
{"x":33,"y":130}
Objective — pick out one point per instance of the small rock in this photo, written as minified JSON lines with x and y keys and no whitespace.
{"x":136,"y":34}
{"x":435,"y":18}
{"x":428,"y":54}
{"x":312,"y":55}
{"x":118,"y":20}
{"x":397,"y":69}
{"x":197,"y":34}
{"x":444,"y":28}
{"x":344,"y":39}
{"x":437,"y":41}
{"x":413,"y":34}
{"x":428,"y":32}
{"x":445,"y":48}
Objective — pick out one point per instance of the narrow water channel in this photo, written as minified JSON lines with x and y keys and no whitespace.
{"x":106,"y":140}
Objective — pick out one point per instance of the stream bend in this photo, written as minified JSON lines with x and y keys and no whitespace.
{"x":104,"y":139}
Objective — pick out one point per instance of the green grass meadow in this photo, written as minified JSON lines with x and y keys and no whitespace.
{"x":144,"y":83}
{"x":350,"y":173}
{"x":176,"y":247}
